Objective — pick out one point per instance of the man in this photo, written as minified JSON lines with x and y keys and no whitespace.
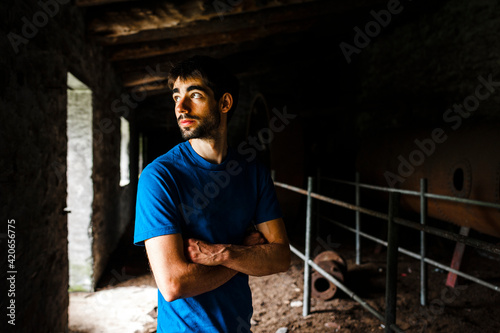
{"x":196,"y":205}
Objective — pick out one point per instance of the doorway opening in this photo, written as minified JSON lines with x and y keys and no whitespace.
{"x":80,"y":187}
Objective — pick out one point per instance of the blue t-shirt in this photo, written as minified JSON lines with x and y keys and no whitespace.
{"x":180,"y":192}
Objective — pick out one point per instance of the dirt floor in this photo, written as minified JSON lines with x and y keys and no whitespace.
{"x":467,"y":308}
{"x":277,"y":299}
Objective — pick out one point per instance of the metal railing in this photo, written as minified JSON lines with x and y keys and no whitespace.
{"x":389,"y":317}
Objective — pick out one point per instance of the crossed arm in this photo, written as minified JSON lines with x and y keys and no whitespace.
{"x":186,"y":268}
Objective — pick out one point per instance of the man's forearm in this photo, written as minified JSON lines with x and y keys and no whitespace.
{"x":177,"y":277}
{"x":258,"y":260}
{"x":266,"y":254}
{"x":197,"y":279}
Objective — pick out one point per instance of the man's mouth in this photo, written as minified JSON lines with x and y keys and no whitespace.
{"x":184,"y":121}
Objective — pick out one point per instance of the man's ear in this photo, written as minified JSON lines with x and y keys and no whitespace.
{"x":226,"y":102}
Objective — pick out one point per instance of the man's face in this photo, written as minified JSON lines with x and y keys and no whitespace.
{"x":196,"y":109}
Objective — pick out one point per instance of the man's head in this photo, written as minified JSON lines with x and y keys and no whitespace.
{"x":213,"y":74}
{"x":198,"y":113}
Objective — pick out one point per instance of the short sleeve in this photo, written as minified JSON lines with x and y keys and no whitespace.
{"x":156,"y":206}
{"x":267,"y":205}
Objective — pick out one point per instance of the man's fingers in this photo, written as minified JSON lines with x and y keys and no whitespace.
{"x":254,"y":238}
{"x":190,"y":249}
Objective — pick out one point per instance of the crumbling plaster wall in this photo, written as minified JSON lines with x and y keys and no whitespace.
{"x":33,"y":153}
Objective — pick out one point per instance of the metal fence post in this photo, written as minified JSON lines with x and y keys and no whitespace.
{"x":358,"y":223}
{"x":307,"y":269}
{"x":423,"y":246}
{"x":317,"y":208}
{"x":392,"y":264}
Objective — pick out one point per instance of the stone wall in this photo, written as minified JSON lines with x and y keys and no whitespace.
{"x":49,"y":42}
{"x":414,"y":71}
{"x":106,"y":178}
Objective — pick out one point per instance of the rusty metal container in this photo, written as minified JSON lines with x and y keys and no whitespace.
{"x":463,"y":163}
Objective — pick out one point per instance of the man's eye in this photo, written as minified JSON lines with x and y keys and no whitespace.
{"x":176,"y":98}
{"x":196,"y":95}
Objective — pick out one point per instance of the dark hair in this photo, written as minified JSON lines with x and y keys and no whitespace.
{"x":214,"y":75}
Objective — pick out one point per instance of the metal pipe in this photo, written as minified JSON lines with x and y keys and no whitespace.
{"x":373,"y":187}
{"x":451,"y":236}
{"x":348,"y":292}
{"x":422,"y":227}
{"x":341,"y":286}
{"x":417,"y":256}
{"x":434,"y":231}
{"x":423,"y":245}
{"x":291,"y":188}
{"x":358,"y":222}
{"x":416,"y":193}
{"x":463,"y":200}
{"x":317,"y":205}
{"x":307,"y":271}
{"x":392,"y":264}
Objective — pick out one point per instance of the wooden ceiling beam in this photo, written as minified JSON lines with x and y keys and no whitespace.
{"x":146,"y":25}
{"x":246,"y":57}
{"x":151,"y":89}
{"x":145,"y":71}
{"x":89,"y":3}
{"x":128,"y":20}
{"x":145,"y":50}
{"x":159,"y":65}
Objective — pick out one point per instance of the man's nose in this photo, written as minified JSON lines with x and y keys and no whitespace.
{"x":182,"y":105}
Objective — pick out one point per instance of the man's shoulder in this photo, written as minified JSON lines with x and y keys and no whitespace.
{"x":168,"y":161}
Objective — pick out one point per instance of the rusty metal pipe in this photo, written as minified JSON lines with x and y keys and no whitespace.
{"x":335,"y":265}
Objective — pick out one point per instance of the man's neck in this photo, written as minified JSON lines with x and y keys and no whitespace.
{"x":211,"y":150}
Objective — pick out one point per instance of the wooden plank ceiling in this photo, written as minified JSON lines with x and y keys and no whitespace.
{"x":142,"y":38}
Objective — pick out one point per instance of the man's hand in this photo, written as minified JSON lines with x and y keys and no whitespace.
{"x":254,"y":237}
{"x":204,"y":253}
{"x":175,"y":276}
{"x":265,"y":251}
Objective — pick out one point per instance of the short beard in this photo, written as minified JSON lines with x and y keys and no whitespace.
{"x":207,"y":127}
